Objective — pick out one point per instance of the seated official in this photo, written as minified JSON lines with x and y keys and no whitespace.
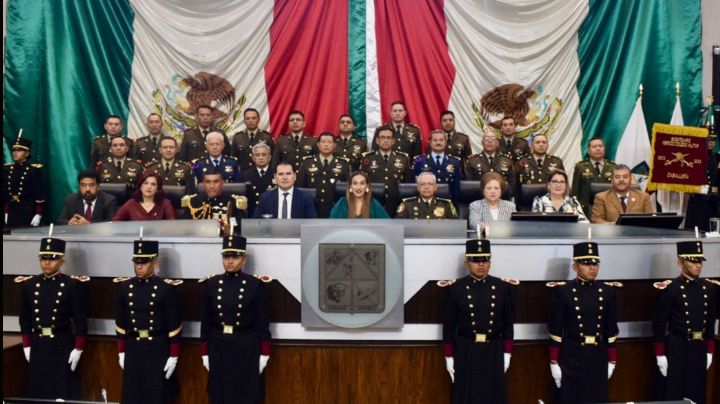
{"x":214,"y":158}
{"x":620,"y":198}
{"x":426,"y":205}
{"x":148,"y":202}
{"x":358,"y":202}
{"x":294,"y":204}
{"x":491,"y":208}
{"x":89,"y":204}
{"x":215,"y":203}
{"x":557,"y":200}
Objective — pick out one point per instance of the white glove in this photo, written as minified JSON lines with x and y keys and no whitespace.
{"x":662,"y":364}
{"x":263,"y":362}
{"x":121,"y":360}
{"x":611,"y":369}
{"x":35,"y":222}
{"x":6,"y":218}
{"x":709,"y":361}
{"x":450,"y":365}
{"x":556,"y":373}
{"x":26,"y":351}
{"x":74,"y":358}
{"x":206,"y":362}
{"x":170,"y":366}
{"x":507,"y":356}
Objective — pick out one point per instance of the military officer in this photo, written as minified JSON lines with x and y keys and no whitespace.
{"x":53,"y":323}
{"x":214,"y":203}
{"x":595,"y":168}
{"x":193,"y":143}
{"x":388,"y":167}
{"x":536,"y":168}
{"x":426,"y":205}
{"x":260,"y":177}
{"x":701,"y":207}
{"x":119,"y":168}
{"x":446,"y":168}
{"x":349,"y":146}
{"x":321,"y":172}
{"x":147,"y":148}
{"x":227,"y":165}
{"x":293,"y":147}
{"x":243,"y":141}
{"x":408,"y":138}
{"x":234,"y":331}
{"x":478,"y":329}
{"x":148,"y":326}
{"x":101,"y":144}
{"x":684,"y":326}
{"x":490,"y":160}
{"x":458,"y":144}
{"x":172,"y":170}
{"x":512,"y":146}
{"x":24,"y":190}
{"x":583,"y":330}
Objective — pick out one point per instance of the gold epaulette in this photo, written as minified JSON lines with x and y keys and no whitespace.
{"x":444,"y":199}
{"x":402,"y":153}
{"x":342,"y":158}
{"x":553,"y":284}
{"x":37,"y":165}
{"x":185,"y":200}
{"x":173,"y":282}
{"x":511,"y":281}
{"x":446,"y":282}
{"x":192,"y":162}
{"x":81,"y":278}
{"x":241,"y":202}
{"x":312,"y":156}
{"x":366,"y":153}
{"x":264,"y":278}
{"x":662,"y":285}
{"x":21,"y":278}
{"x":204,"y":278}
{"x":121,"y":279}
{"x":713,"y":281}
{"x":410,"y":199}
{"x":614,"y":284}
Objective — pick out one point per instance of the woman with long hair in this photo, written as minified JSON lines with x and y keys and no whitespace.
{"x":358,"y":202}
{"x":558,"y":199}
{"x":148,"y":202}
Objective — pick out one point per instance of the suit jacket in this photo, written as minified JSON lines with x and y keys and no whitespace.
{"x":303,"y":206}
{"x":607,"y":207}
{"x":257,"y":185}
{"x":480,"y":212}
{"x":105,"y":208}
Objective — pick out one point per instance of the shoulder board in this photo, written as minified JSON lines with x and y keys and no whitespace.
{"x":231,"y":158}
{"x":8,"y":164}
{"x":454,"y":157}
{"x":98,"y":137}
{"x":173,"y":282}
{"x":264,"y":278}
{"x":241,"y":202}
{"x":80,"y":278}
{"x":614,"y":284}
{"x":402,"y":153}
{"x":444,"y":200}
{"x":21,"y":279}
{"x":713,"y":281}
{"x":553,"y":284}
{"x":511,"y":281}
{"x":412,"y":125}
{"x":341,"y":158}
{"x":366,"y":153}
{"x":204,"y":278}
{"x":662,"y":285}
{"x":446,"y":282}
{"x":418,"y":157}
{"x":312,"y":156}
{"x":121,"y":279}
{"x":194,"y":161}
{"x":412,"y":198}
{"x":37,"y":165}
{"x":185,"y":200}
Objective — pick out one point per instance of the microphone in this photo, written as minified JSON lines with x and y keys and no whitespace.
{"x":104,"y":395}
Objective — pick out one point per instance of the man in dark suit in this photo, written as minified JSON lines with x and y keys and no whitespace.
{"x":260,"y":177}
{"x":89,"y":204}
{"x":294,"y":203}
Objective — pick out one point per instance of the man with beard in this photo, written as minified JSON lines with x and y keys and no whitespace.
{"x":89,"y":204}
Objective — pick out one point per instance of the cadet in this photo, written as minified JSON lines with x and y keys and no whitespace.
{"x":193,"y":143}
{"x":214,"y":203}
{"x":147,"y":148}
{"x":293,"y":147}
{"x":595,"y":168}
{"x":148,"y":325}
{"x":234,"y":332}
{"x":447,"y":169}
{"x":227,"y":165}
{"x":407,"y":136}
{"x":118,"y":168}
{"x":322,"y":171}
{"x":348,"y":145}
{"x":172,"y":170}
{"x":512,"y":146}
{"x":536,"y":168}
{"x":583,"y":330}
{"x":243,"y":141}
{"x":458,"y":144}
{"x":24,"y":191}
{"x":684,"y":326}
{"x":101,"y":144}
{"x":490,"y":160}
{"x":478,"y":329}
{"x":260,"y":177}
{"x":53,"y":323}
{"x":426,"y":205}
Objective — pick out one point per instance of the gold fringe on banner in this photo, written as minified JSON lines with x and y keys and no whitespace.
{"x":690,"y":131}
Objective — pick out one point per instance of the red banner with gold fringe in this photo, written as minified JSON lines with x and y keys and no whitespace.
{"x":679,"y":156}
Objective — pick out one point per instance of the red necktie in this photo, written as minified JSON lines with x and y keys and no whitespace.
{"x":623,"y":204}
{"x":88,"y":211}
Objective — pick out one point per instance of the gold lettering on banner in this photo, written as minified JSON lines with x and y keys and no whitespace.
{"x":680,"y":142}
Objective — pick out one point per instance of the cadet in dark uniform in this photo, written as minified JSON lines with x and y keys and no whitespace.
{"x":23,"y":190}
{"x":426,"y":205}
{"x":684,"y":327}
{"x":118,"y":168}
{"x":583,"y":330}
{"x":214,"y":203}
{"x":260,"y":177}
{"x":243,"y":141}
{"x":701,"y":207}
{"x":408,"y":138}
{"x":458,"y":144}
{"x":447,"y":168}
{"x":147,"y":148}
{"x":53,"y":323}
{"x":226,"y":165}
{"x":478,"y":329}
{"x":234,"y":332}
{"x":172,"y":170}
{"x":536,"y":168}
{"x":490,"y":160}
{"x":593,"y":169}
{"x":193,"y":143}
{"x":148,"y":326}
{"x":349,"y":146}
{"x":387,"y":167}
{"x":101,"y":144}
{"x":321,"y":172}
{"x":512,"y":146}
{"x":293,"y":147}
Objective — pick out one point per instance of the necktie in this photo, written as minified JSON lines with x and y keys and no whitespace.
{"x":262,"y":173}
{"x":88,"y":211}
{"x":385,"y":157}
{"x":539,"y":161}
{"x":437,"y":158}
{"x":398,"y":130}
{"x":205,"y":132}
{"x":490,"y":159}
{"x":597,"y":167}
{"x":251,"y":136}
{"x":508,"y":144}
{"x":284,"y":206}
{"x":623,"y":204}
{"x":119,"y":165}
{"x":167,"y":168}
{"x":325,"y":163}
{"x":154,"y":141}
{"x":216,"y":162}
{"x":297,"y":139}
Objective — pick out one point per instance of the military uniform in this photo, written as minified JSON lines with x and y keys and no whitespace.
{"x":314,"y":174}
{"x":352,"y":149}
{"x":148,"y":325}
{"x":128,"y":174}
{"x":235,"y":331}
{"x":147,"y":149}
{"x":583,"y":330}
{"x":701,"y":207}
{"x":458,"y":145}
{"x":529,"y":171}
{"x":407,"y":139}
{"x":516,"y":150}
{"x":175,"y":173}
{"x":101,"y":148}
{"x":257,"y":184}
{"x":477,"y":330}
{"x":391,"y":173}
{"x":24,"y":190}
{"x":447,"y":172}
{"x":227,"y":166}
{"x":53,"y":323}
{"x":193,"y":143}
{"x":242,"y":144}
{"x":417,"y":208}
{"x":480,"y":164}
{"x":286,"y":149}
{"x":683,"y":329}
{"x":201,"y":206}
{"x":586,"y":173}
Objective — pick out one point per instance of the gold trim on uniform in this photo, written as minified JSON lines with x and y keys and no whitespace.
{"x":120,"y":330}
{"x":555,"y":338}
{"x":175,"y":332}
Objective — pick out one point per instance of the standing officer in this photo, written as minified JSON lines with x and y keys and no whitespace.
{"x":193,"y":143}
{"x":53,"y":323}
{"x":172,"y":170}
{"x":478,"y":329}
{"x":445,"y":167}
{"x":293,"y":147}
{"x":512,"y":146}
{"x":595,"y":168}
{"x":147,"y":148}
{"x":24,"y":191}
{"x":583,"y":329}
{"x":234,"y":332}
{"x":321,"y":172}
{"x":684,"y":326}
{"x":426,"y":205}
{"x":227,"y":165}
{"x":101,"y":144}
{"x":536,"y":168}
{"x":148,"y":326}
{"x":458,"y":144}
{"x":407,"y":136}
{"x":243,"y":141}
{"x":491,"y":160}
{"x":119,"y":168}
{"x":348,"y":145}
{"x":260,"y":177}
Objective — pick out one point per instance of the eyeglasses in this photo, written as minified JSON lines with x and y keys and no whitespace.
{"x":557,"y":182}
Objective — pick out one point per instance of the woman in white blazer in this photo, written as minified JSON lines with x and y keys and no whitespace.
{"x":491,"y":208}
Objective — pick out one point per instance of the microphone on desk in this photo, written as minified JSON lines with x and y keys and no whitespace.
{"x":103,"y":392}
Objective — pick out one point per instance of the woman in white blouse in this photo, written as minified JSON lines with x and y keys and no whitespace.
{"x":558,"y":200}
{"x":491,"y":208}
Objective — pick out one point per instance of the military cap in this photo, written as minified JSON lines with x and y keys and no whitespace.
{"x":586,"y":253}
{"x":22,"y":143}
{"x":145,"y":250}
{"x":234,"y":245}
{"x":478,"y":249}
{"x":51,"y":248}
{"x":690,"y":250}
